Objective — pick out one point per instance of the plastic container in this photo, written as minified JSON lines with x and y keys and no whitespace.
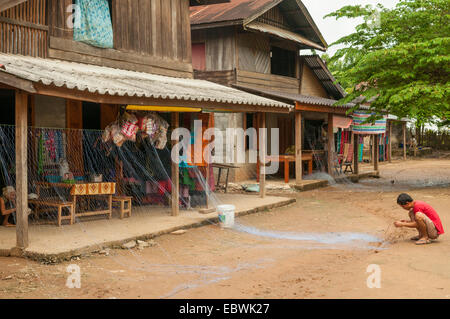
{"x":226,"y":215}
{"x":53,"y":179}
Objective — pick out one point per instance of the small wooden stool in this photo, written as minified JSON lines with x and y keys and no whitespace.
{"x":122,"y":200}
{"x":59,"y":205}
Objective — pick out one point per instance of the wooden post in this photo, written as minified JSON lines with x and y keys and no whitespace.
{"x":390,"y":142}
{"x":376,"y":152}
{"x":175,"y":171}
{"x":256,"y":124}
{"x":372,"y":149}
{"x":298,"y":147}
{"x":262,"y":150}
{"x":119,"y":176}
{"x":21,"y":170}
{"x":404,"y":141}
{"x":355,"y":154}
{"x":331,"y":147}
{"x":208,"y":190}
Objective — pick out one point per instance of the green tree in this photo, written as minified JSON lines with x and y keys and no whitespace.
{"x":401,"y":56}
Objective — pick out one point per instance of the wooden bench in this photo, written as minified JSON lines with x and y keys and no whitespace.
{"x":123,"y":200}
{"x":59,"y":205}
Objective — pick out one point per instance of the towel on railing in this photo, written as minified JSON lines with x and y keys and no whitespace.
{"x":93,"y":23}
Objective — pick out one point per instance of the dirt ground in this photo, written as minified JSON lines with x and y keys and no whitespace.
{"x":210,"y":262}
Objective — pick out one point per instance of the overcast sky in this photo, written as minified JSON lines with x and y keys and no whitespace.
{"x":331,"y":29}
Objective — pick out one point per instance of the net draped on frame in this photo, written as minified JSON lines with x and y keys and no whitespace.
{"x":137,"y":168}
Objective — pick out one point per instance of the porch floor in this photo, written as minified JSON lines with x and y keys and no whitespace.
{"x":309,"y":182}
{"x":92,"y":234}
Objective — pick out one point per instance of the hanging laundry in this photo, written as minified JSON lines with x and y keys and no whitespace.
{"x":50,"y":145}
{"x":186,"y":179}
{"x":59,"y":144}
{"x":93,"y":23}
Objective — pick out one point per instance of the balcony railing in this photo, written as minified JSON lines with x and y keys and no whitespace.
{"x":24,"y":30}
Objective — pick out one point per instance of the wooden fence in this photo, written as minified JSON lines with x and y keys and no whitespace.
{"x":436,"y":140}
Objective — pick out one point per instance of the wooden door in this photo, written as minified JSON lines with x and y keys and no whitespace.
{"x":108,"y":114}
{"x":285,"y":125}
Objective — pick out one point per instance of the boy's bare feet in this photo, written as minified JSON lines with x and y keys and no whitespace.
{"x":423,"y":241}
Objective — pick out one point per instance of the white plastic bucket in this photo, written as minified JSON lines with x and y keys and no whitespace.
{"x":226,"y":215}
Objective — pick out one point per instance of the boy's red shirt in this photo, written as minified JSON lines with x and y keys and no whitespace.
{"x":425,"y":208}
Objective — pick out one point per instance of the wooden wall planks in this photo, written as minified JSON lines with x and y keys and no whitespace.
{"x":311,"y":85}
{"x":267,"y":81}
{"x":254,"y":52}
{"x":154,"y":33}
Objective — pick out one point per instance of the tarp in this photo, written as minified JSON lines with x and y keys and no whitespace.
{"x":359,"y":127}
{"x":341,"y":121}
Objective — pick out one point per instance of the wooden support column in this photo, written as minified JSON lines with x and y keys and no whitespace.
{"x":331,"y":147}
{"x":21,"y":169}
{"x":175,"y":171}
{"x":390,"y":142}
{"x":404,"y":141}
{"x":372,"y":149}
{"x":298,"y":147}
{"x":356,"y":154}
{"x":376,"y":152}
{"x":119,"y":176}
{"x":262,"y":150}
{"x":207,"y":190}
{"x":256,"y":124}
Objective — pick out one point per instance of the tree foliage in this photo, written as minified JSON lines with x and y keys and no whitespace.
{"x":401,"y":56}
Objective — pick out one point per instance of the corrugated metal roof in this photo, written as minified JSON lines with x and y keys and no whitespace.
{"x":306,"y":99}
{"x":229,"y":11}
{"x":284,"y":34}
{"x":320,"y":69}
{"x":245,"y":11}
{"x":110,"y":81}
{"x":299,"y":16}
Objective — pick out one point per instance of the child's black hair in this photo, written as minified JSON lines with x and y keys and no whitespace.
{"x":403,"y":199}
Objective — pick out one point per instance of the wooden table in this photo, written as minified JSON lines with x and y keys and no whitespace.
{"x":221,"y":167}
{"x":286,"y":159}
{"x":85,"y":189}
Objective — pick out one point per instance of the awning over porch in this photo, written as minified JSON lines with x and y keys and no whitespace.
{"x":117,"y":86}
{"x":318,"y":104}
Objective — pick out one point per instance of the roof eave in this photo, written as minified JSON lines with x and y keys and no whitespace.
{"x":210,"y":25}
{"x":261,"y":12}
{"x":312,"y":23}
{"x":307,"y":44}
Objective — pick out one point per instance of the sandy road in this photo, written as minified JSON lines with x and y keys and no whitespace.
{"x":210,"y":262}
